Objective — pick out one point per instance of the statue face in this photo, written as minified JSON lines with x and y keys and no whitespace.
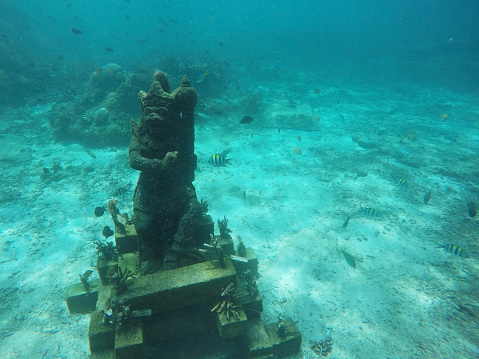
{"x":155,"y":125}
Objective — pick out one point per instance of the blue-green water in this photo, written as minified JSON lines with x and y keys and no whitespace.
{"x":346,"y":97}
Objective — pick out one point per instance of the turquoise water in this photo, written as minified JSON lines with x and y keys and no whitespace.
{"x":360,"y":109}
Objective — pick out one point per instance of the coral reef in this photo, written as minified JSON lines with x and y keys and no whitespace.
{"x":100,"y":117}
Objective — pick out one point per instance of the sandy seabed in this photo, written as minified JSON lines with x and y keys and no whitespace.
{"x":406,"y":298}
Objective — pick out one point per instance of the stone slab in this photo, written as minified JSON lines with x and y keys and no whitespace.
{"x":100,"y":336}
{"x":288,"y":344}
{"x":81,"y":302}
{"x":129,"y":342}
{"x":195,"y":321}
{"x":103,"y":354}
{"x":126,"y":242}
{"x":252,"y":264}
{"x":257,"y":339}
{"x":230,"y":327}
{"x":129,"y":260}
{"x":178,"y":288}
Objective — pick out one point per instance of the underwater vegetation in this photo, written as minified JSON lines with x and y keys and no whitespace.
{"x":106,"y":251}
{"x":223,"y":227}
{"x":203,"y":207}
{"x":323,"y":347}
{"x":227,"y":306}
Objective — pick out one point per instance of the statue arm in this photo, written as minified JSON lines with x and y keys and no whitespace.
{"x":142,"y":163}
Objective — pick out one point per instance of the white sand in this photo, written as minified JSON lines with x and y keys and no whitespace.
{"x":402,"y":300}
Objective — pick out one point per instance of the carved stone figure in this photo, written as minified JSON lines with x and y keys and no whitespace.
{"x":165,"y":206}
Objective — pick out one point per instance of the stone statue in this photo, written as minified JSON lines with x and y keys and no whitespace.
{"x":165,"y":207}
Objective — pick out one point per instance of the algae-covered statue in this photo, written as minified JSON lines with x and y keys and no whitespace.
{"x":165,"y":206}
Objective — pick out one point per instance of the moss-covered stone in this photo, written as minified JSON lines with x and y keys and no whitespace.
{"x":79,"y":301}
{"x":287,"y":344}
{"x":178,"y":288}
{"x":106,"y":270}
{"x":127,"y":242}
{"x":229,"y":327}
{"x":101,"y":336}
{"x":251,"y":265}
{"x":195,"y":321}
{"x":128,"y":261}
{"x":103,"y":354}
{"x":257,"y":339}
{"x":129,"y":342}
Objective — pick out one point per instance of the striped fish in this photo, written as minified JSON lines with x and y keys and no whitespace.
{"x":122,"y":190}
{"x":371,"y":212}
{"x":401,"y":181}
{"x":90,"y":153}
{"x":458,"y":251}
{"x":219,"y":160}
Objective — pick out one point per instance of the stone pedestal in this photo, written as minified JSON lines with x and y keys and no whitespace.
{"x":80,"y":301}
{"x":107,"y":269}
{"x":126,"y":242}
{"x":257,"y":339}
{"x":101,"y":336}
{"x":287,"y":344}
{"x":229,"y":327}
{"x":129,"y":342}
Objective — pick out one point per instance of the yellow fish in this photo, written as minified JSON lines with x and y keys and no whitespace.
{"x":297,"y":150}
{"x":458,"y":251}
{"x":401,"y":181}
{"x":443,"y":117}
{"x":202,"y":77}
{"x":90,"y":153}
